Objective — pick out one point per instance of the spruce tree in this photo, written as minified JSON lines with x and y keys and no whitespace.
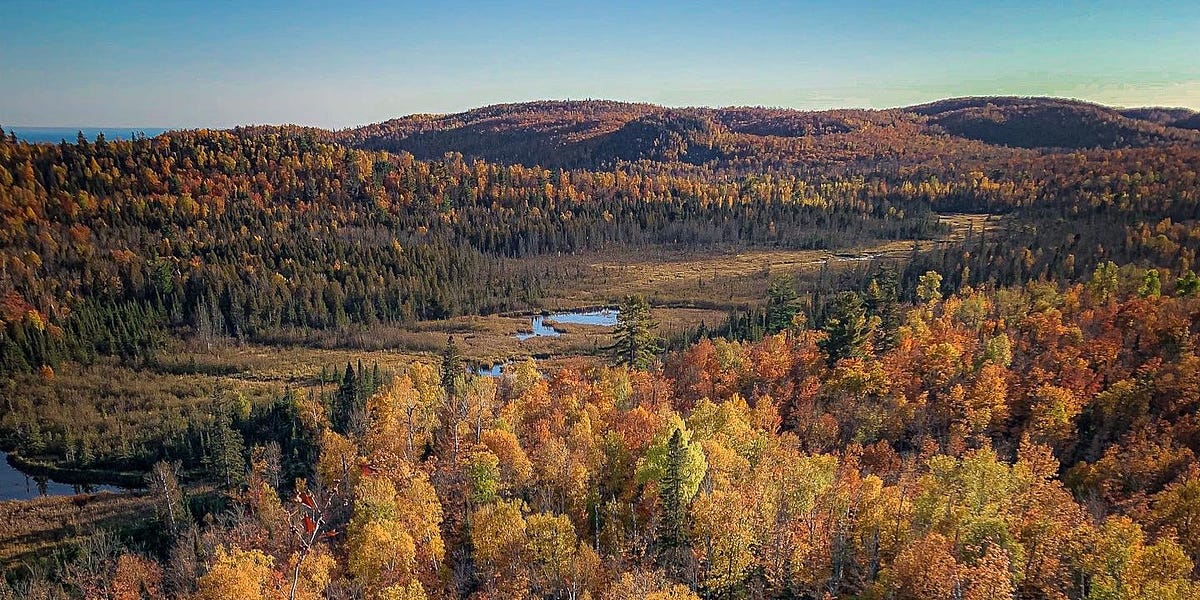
{"x":636,"y":344}
{"x":846,"y":328}
{"x":883,"y":301}
{"x":782,"y":305}
{"x":452,"y":366}
{"x":345,"y":403}
{"x":672,"y":535}
{"x":225,"y":461}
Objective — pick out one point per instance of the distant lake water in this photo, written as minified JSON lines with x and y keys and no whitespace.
{"x":54,"y":135}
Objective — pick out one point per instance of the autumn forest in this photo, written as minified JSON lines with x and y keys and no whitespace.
{"x":949,"y":351}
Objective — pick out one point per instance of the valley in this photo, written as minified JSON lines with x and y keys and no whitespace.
{"x":580,"y":349}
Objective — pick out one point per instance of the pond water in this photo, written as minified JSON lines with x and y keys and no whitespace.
{"x":604,"y":317}
{"x":495,"y":370}
{"x":15,"y":485}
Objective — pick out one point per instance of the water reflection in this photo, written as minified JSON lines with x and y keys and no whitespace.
{"x":495,"y":370}
{"x":15,"y":485}
{"x":605,"y":317}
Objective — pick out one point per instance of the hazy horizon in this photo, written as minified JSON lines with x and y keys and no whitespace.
{"x":219,"y":65}
{"x":157,"y":129}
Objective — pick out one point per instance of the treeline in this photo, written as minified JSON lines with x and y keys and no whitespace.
{"x":249,"y":233}
{"x":130,"y":331}
{"x":206,"y":433}
{"x":240,"y":234}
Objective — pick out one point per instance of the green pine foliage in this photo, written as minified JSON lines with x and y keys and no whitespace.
{"x":636,"y":344}
{"x":452,"y":366}
{"x":846,"y":328}
{"x":782,"y":305}
{"x":672,"y":527}
{"x":883,"y":303}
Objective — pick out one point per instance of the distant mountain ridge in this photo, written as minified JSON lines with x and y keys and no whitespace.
{"x":598,"y":134}
{"x":1055,"y":123}
{"x":601,"y":133}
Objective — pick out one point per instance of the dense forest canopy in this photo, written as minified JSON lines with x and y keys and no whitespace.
{"x":1010,"y":413}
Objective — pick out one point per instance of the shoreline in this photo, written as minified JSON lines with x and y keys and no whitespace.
{"x":129,"y":480}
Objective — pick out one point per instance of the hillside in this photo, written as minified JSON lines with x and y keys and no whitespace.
{"x":599,"y":134}
{"x":1191,"y":122}
{"x":1051,"y":123}
{"x":1170,"y":117}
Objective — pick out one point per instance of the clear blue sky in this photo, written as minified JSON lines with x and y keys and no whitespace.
{"x":336,"y":64}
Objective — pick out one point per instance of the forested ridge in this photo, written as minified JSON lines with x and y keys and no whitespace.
{"x":598,"y":133}
{"x":1012,"y":413}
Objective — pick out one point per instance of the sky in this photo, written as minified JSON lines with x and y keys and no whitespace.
{"x":339,"y":64}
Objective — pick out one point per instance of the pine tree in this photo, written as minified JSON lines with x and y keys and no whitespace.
{"x":452,"y":366}
{"x":225,"y":461}
{"x":345,"y":402}
{"x":846,"y":328}
{"x":636,"y":344}
{"x":883,"y":302}
{"x":782,"y":305}
{"x":672,"y":536}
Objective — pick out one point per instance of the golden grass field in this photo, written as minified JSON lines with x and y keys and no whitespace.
{"x":36,"y":528}
{"x":727,"y":279}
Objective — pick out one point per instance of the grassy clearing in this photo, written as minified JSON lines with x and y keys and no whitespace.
{"x":722,"y":280}
{"x":36,"y":528}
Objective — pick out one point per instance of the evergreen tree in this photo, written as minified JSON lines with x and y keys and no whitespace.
{"x":846,"y":328}
{"x":361,"y":383}
{"x":672,"y":534}
{"x":346,"y":402}
{"x":452,"y":365}
{"x":883,"y":301}
{"x":782,"y":305}
{"x":636,"y":344}
{"x":225,"y":461}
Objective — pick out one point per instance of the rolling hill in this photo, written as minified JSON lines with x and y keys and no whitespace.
{"x":599,"y":133}
{"x":1053,"y":123}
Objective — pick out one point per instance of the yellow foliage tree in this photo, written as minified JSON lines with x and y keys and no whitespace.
{"x":239,"y":574}
{"x":380,"y":553}
{"x":551,"y":546}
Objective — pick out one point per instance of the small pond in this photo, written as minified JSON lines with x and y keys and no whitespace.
{"x":16,"y":485}
{"x":604,"y":317}
{"x":495,"y":370}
